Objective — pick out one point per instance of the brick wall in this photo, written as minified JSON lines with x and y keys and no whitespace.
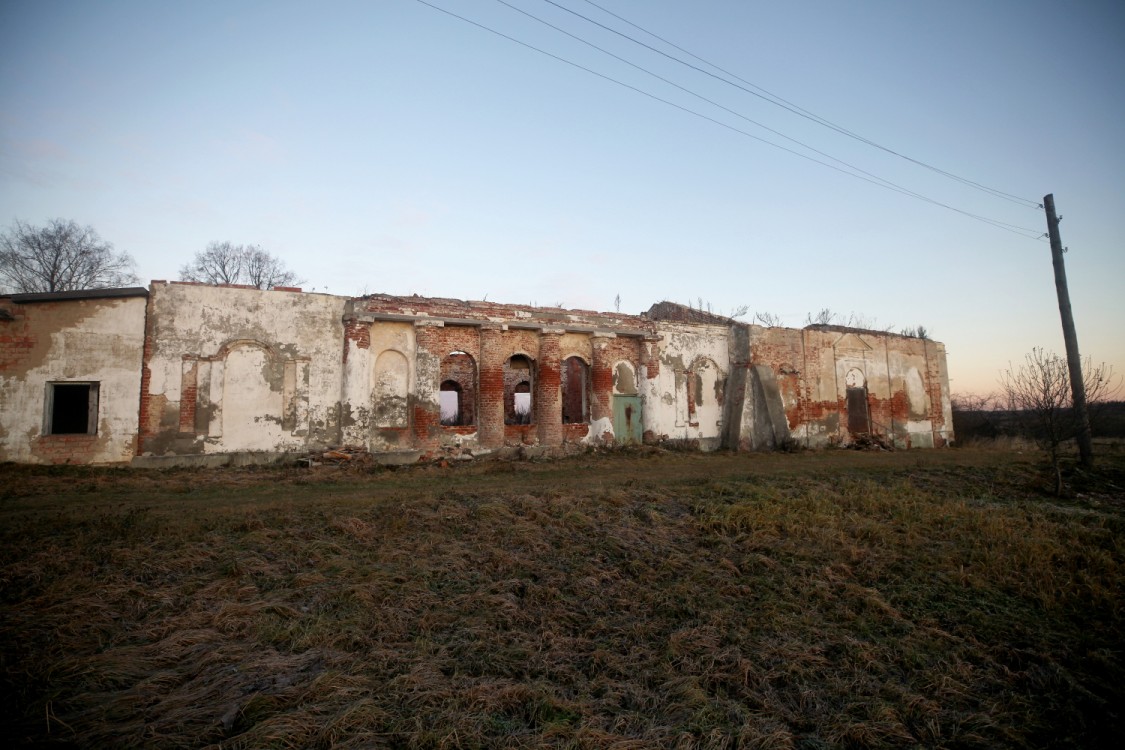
{"x":67,"y":449}
{"x":491,"y":379}
{"x":548,"y":394}
{"x":16,"y":339}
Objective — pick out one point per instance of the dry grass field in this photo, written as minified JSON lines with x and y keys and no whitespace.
{"x":628,"y":600}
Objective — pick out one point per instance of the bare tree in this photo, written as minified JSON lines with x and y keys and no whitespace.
{"x":219,"y":263}
{"x":1039,"y":396}
{"x":264,"y":271}
{"x":226,"y":263}
{"x":60,"y":257}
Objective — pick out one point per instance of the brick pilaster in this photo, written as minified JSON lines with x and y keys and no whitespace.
{"x":426,"y":416}
{"x":189,"y":393}
{"x":601,"y":375}
{"x":490,"y":416}
{"x":548,"y":391}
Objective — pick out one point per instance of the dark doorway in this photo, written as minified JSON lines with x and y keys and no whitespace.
{"x":574,"y":386}
{"x":858,"y":421}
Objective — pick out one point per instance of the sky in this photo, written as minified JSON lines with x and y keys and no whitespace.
{"x":387,"y":146}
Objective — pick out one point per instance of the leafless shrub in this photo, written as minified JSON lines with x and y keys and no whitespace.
{"x":1038,"y":394}
{"x":916,"y":332}
{"x":823,"y":318}
{"x":767,"y":319}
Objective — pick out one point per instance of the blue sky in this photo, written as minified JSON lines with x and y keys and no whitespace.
{"x":383,"y":146}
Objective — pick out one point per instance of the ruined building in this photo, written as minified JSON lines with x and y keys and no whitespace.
{"x":185,"y":372}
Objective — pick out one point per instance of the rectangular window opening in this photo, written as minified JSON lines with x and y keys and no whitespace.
{"x":72,"y":408}
{"x":450,"y":407}
{"x":522,"y":407}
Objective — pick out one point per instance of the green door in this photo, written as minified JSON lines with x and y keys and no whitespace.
{"x":627,"y":419}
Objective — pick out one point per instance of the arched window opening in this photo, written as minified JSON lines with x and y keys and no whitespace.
{"x":575,"y":391}
{"x":519,"y":385}
{"x":458,"y":391}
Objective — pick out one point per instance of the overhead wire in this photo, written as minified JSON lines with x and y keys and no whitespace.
{"x":1015,"y":229}
{"x":781,"y":102}
{"x":887,"y":183}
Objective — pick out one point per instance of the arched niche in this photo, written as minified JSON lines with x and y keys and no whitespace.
{"x":390,"y":390}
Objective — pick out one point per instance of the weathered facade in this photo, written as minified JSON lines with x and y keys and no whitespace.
{"x":70,"y":375}
{"x":220,"y":371}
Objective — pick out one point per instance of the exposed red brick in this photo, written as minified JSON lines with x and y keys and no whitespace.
{"x":549,"y":390}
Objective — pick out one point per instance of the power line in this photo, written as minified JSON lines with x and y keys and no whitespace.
{"x":780,"y":102}
{"x":887,"y":183}
{"x":1022,"y":231}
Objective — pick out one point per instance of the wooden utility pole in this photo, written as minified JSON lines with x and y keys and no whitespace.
{"x":1073,"y":360}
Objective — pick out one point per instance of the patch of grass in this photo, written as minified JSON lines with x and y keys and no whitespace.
{"x":819,"y":599}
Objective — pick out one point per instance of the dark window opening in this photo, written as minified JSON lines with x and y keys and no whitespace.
{"x":575,"y":391}
{"x":72,"y":408}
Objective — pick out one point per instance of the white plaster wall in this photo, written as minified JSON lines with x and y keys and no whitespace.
{"x":427,"y":377}
{"x":398,"y":342}
{"x":938,"y":350}
{"x":252,"y":411}
{"x":102,"y":341}
{"x":355,"y":395}
{"x":666,"y":395}
{"x":907,"y":358}
{"x":390,"y":392}
{"x":303,"y":334}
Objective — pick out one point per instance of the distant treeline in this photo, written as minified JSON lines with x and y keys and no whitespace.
{"x":1107,"y":419}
